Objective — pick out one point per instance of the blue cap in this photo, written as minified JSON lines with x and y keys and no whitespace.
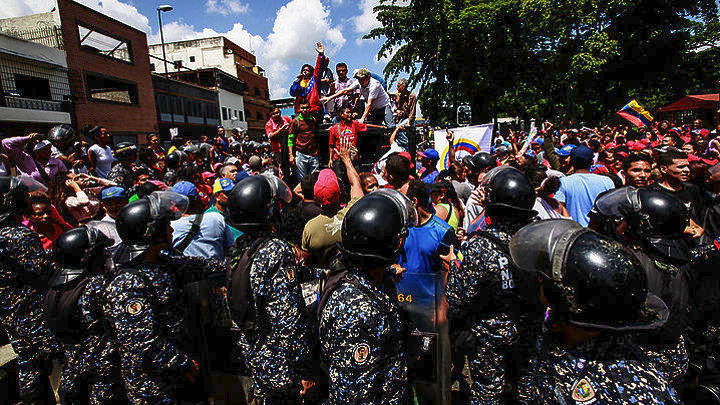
{"x":565,"y":151}
{"x":530,"y":153}
{"x":539,"y":141}
{"x":431,"y":154}
{"x":185,"y":188}
{"x":223,"y":185}
{"x":241,"y":175}
{"x":112,"y":192}
{"x":582,"y":152}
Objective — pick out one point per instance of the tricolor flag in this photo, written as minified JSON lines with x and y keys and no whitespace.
{"x":634,"y":113}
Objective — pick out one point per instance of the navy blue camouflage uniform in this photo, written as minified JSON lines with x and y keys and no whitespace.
{"x":482,"y":294}
{"x":608,"y":369}
{"x":146,"y":308}
{"x":277,"y":350}
{"x":362,"y":337}
{"x":94,"y":359}
{"x":21,"y":315}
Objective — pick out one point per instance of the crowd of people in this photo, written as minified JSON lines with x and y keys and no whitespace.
{"x":571,"y":264}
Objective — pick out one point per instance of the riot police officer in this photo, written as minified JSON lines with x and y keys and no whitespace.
{"x":123,"y":173}
{"x":484,"y":301}
{"x":144,"y":301}
{"x":24,"y":270}
{"x":74,"y":311}
{"x":362,"y":330}
{"x":597,"y":297}
{"x":63,"y":140}
{"x":264,"y":294}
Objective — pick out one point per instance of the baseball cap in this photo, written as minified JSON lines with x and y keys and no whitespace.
{"x":362,"y":72}
{"x":539,"y":141}
{"x":223,"y":185}
{"x":431,"y":154}
{"x":112,"y":192}
{"x":185,"y":188}
{"x":530,"y":153}
{"x":41,"y":145}
{"x":582,"y":152}
{"x":327,"y":188}
{"x":565,"y":150}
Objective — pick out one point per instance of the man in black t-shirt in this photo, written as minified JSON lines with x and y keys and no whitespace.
{"x":675,"y":172}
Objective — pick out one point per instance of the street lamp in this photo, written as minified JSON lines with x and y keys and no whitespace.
{"x":163,"y":8}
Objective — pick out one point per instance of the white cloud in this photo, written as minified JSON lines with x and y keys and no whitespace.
{"x":114,"y":8}
{"x":299,"y":24}
{"x":17,"y":8}
{"x":120,"y":11}
{"x":367,"y":20}
{"x":226,"y":7}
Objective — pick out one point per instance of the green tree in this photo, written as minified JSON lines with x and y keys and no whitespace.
{"x":549,"y":58}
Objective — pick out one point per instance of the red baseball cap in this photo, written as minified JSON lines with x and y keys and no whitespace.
{"x":327,"y":188}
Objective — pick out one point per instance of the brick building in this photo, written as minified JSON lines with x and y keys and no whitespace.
{"x":225,"y":55}
{"x":109,"y":71}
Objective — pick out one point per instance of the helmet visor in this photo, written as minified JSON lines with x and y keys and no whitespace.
{"x":280,"y":190}
{"x":29,"y":183}
{"x":618,"y":202}
{"x":540,"y":246}
{"x":410,"y":217}
{"x":167,"y":204}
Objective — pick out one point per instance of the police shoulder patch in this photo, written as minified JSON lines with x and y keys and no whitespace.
{"x":583,"y":392}
{"x":361,"y":352}
{"x":135,"y":306}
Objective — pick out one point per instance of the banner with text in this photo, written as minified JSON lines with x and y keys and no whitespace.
{"x":467,"y":141}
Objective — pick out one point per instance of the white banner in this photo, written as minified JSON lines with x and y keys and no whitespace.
{"x":467,"y":141}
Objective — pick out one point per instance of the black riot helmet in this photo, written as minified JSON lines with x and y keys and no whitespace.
{"x":126,"y":151}
{"x":649,"y":214}
{"x":175,"y":159}
{"x":374,"y":228}
{"x":144,"y":222}
{"x":590,"y":280}
{"x":508,"y":192}
{"x":61,"y":136}
{"x":78,"y":251}
{"x":14,"y":193}
{"x":253,"y":201}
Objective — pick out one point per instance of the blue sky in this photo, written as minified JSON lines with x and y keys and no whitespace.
{"x":283,"y":32}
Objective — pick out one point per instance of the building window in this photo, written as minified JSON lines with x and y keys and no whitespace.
{"x":192,"y":59}
{"x":177,"y":64}
{"x":32,"y":87}
{"x":259,"y":115}
{"x":109,"y":89}
{"x":257,"y":92}
{"x":152,"y":67}
{"x":224,"y":113}
{"x":96,"y":41}
{"x":242,"y":115}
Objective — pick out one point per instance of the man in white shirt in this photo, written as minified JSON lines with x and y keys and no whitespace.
{"x":377,"y":101}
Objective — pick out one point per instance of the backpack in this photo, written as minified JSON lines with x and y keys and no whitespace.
{"x":59,"y":305}
{"x":237,"y":278}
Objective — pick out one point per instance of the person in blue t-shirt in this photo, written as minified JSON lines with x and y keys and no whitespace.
{"x":579,"y":190}
{"x":424,"y":245}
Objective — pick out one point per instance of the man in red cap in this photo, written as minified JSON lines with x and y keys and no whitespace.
{"x":324,"y":231}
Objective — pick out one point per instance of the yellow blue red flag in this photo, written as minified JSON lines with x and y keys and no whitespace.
{"x":634,"y":113}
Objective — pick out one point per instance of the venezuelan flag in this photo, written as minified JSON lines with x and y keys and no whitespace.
{"x":634,"y":113}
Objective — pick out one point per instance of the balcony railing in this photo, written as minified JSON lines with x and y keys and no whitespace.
{"x":48,"y":36}
{"x":35,"y":103}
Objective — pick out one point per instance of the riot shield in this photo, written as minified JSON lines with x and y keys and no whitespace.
{"x":422,"y":297}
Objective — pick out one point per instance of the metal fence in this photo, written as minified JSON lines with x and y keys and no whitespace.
{"x":34,"y":85}
{"x":48,"y":36}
